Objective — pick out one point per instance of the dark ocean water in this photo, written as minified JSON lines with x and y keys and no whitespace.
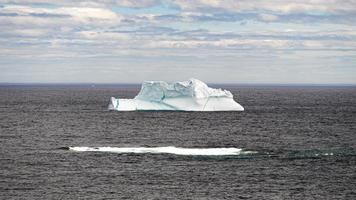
{"x":305,"y":139}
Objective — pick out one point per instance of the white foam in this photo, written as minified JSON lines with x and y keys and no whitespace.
{"x":168,"y":150}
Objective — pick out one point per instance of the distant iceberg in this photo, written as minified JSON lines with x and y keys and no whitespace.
{"x":192,"y":95}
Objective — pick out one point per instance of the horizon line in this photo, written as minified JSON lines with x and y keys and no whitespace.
{"x":136,"y":83}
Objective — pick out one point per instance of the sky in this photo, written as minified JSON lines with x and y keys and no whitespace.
{"x":217,"y":41}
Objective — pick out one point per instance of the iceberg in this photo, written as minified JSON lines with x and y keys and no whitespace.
{"x":191,"y":95}
{"x":167,"y":150}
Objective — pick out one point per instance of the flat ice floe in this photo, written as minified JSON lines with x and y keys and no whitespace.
{"x":166,"y":150}
{"x":192,"y":95}
{"x":224,"y":151}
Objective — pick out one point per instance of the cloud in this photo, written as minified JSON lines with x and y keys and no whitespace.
{"x":160,"y":40}
{"x":268,"y":17}
{"x":259,"y":17}
{"x":77,"y":13}
{"x":303,"y":11}
{"x":86,"y":3}
{"x":281,"y":6}
{"x":320,"y":11}
{"x":141,"y":35}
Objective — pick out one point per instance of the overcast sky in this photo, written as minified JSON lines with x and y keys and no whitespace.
{"x":221,"y":41}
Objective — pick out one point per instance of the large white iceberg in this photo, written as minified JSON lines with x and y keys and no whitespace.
{"x":192,"y":95}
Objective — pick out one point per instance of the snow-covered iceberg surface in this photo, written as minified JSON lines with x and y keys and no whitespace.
{"x":192,"y":95}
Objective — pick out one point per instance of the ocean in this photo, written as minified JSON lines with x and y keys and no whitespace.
{"x":291,"y":142}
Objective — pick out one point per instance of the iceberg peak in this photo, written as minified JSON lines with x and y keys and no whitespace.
{"x":191,"y":95}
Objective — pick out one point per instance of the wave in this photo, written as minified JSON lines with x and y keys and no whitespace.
{"x":167,"y":150}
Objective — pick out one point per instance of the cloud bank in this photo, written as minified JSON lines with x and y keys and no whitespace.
{"x":218,"y":41}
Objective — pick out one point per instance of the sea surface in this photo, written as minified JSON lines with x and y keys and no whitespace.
{"x":291,"y":142}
